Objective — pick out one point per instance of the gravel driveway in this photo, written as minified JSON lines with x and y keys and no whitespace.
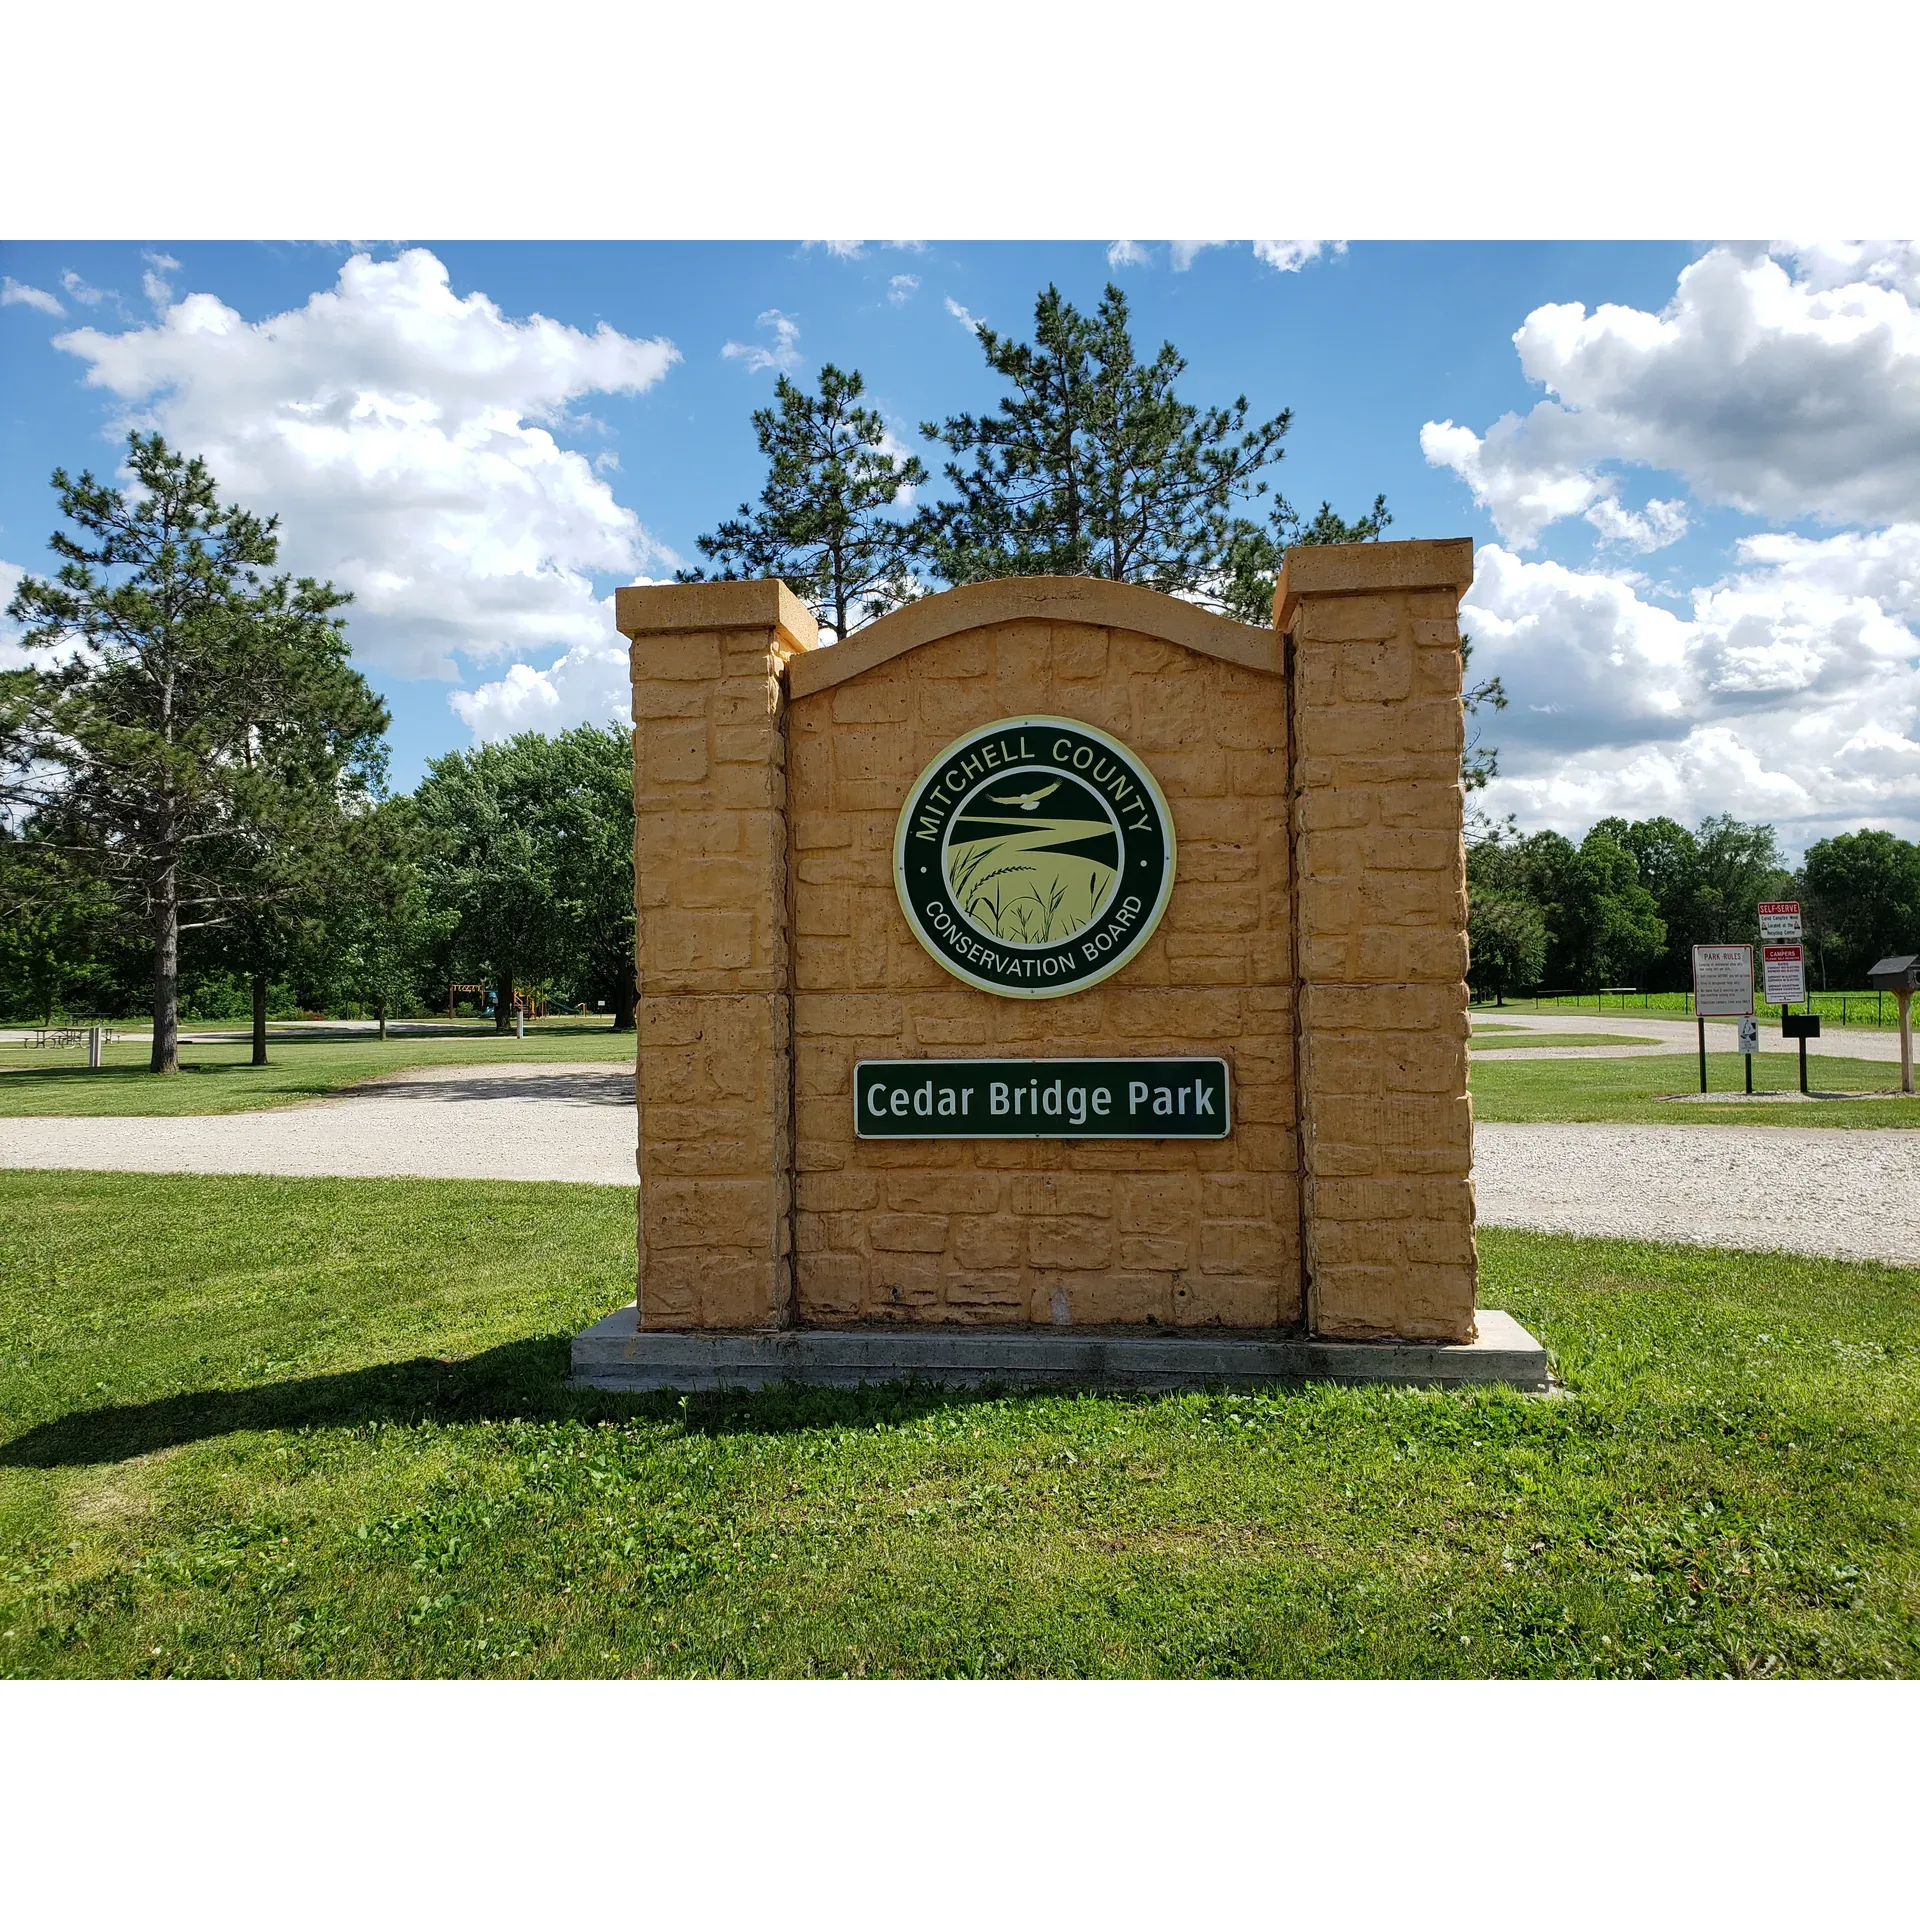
{"x":502,"y":1122}
{"x":1849,"y":1193}
{"x":1852,"y":1194}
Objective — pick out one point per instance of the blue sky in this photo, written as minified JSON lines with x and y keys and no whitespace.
{"x":484,"y":481}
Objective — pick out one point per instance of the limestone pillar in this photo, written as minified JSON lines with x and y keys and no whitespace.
{"x":1386,"y":1130}
{"x":713,"y":1078}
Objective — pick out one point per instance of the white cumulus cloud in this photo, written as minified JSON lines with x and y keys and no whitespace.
{"x":901,"y":288}
{"x":971,"y":321}
{"x":1786,"y":693}
{"x":782,"y":355}
{"x":1658,"y":525}
{"x":1827,"y":264}
{"x":13,"y":294}
{"x":1127,"y":253}
{"x":1882,"y":565}
{"x":588,"y":684}
{"x":78,"y":288}
{"x":1183,"y":253}
{"x":1784,"y":394}
{"x":12,"y":653}
{"x":153,"y":282}
{"x":1289,"y":256}
{"x":402,"y":433}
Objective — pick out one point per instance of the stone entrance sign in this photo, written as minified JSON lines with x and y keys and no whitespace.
{"x":1070,"y":824}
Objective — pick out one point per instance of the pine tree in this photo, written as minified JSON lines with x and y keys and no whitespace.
{"x":1253,"y":553}
{"x":194,"y":712}
{"x":1093,"y":465}
{"x":828,"y":523}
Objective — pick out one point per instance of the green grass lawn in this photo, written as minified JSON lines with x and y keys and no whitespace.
{"x":1497,"y":1040}
{"x":1631,"y":1090}
{"x":215,"y":1077}
{"x":292,"y":1427}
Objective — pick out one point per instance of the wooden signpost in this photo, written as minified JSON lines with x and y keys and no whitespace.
{"x":1900,"y":972}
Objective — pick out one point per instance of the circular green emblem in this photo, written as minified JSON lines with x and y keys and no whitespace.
{"x":1034,"y":857}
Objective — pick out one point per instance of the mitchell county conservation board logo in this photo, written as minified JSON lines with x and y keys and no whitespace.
{"x":1034,"y":857}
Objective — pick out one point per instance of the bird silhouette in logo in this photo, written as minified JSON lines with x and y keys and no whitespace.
{"x":1030,"y":802}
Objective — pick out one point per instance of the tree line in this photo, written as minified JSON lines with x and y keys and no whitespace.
{"x":193,"y":798}
{"x":1628,"y":904}
{"x":194,"y":809}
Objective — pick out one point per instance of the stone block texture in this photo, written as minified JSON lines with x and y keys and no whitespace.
{"x":1315,"y":939}
{"x":1386,"y":1122}
{"x":713,"y":1075}
{"x":1100,"y":1233}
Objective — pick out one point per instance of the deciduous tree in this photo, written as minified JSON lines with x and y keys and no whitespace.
{"x":382,"y":925}
{"x":529,"y":842}
{"x":1865,"y":887}
{"x":1507,"y":937}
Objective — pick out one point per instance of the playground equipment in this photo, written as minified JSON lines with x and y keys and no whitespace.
{"x":529,"y":1002}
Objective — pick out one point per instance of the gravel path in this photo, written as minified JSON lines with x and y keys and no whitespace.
{"x":1847,"y":1193}
{"x":503,"y":1122}
{"x":1854,"y":1195}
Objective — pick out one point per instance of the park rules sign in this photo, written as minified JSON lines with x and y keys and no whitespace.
{"x":1722,"y":982}
{"x":1034,"y":857}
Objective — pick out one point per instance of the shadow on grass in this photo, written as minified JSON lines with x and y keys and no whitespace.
{"x":522,"y":1380}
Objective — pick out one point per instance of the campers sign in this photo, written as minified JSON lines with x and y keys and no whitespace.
{"x":1034,"y":857}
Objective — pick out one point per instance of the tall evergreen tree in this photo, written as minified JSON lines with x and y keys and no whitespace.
{"x":1092,"y":464}
{"x":829,"y":521}
{"x":188,"y":701}
{"x":1254,"y":553}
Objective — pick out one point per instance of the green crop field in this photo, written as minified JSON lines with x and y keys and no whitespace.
{"x":1633,"y":1090}
{"x":290,"y":1427}
{"x":216,"y":1077}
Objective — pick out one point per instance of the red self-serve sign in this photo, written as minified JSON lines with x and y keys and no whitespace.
{"x":1779,"y":920}
{"x":1786,"y":974}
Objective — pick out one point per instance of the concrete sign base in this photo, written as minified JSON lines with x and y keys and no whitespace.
{"x":616,"y":1356}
